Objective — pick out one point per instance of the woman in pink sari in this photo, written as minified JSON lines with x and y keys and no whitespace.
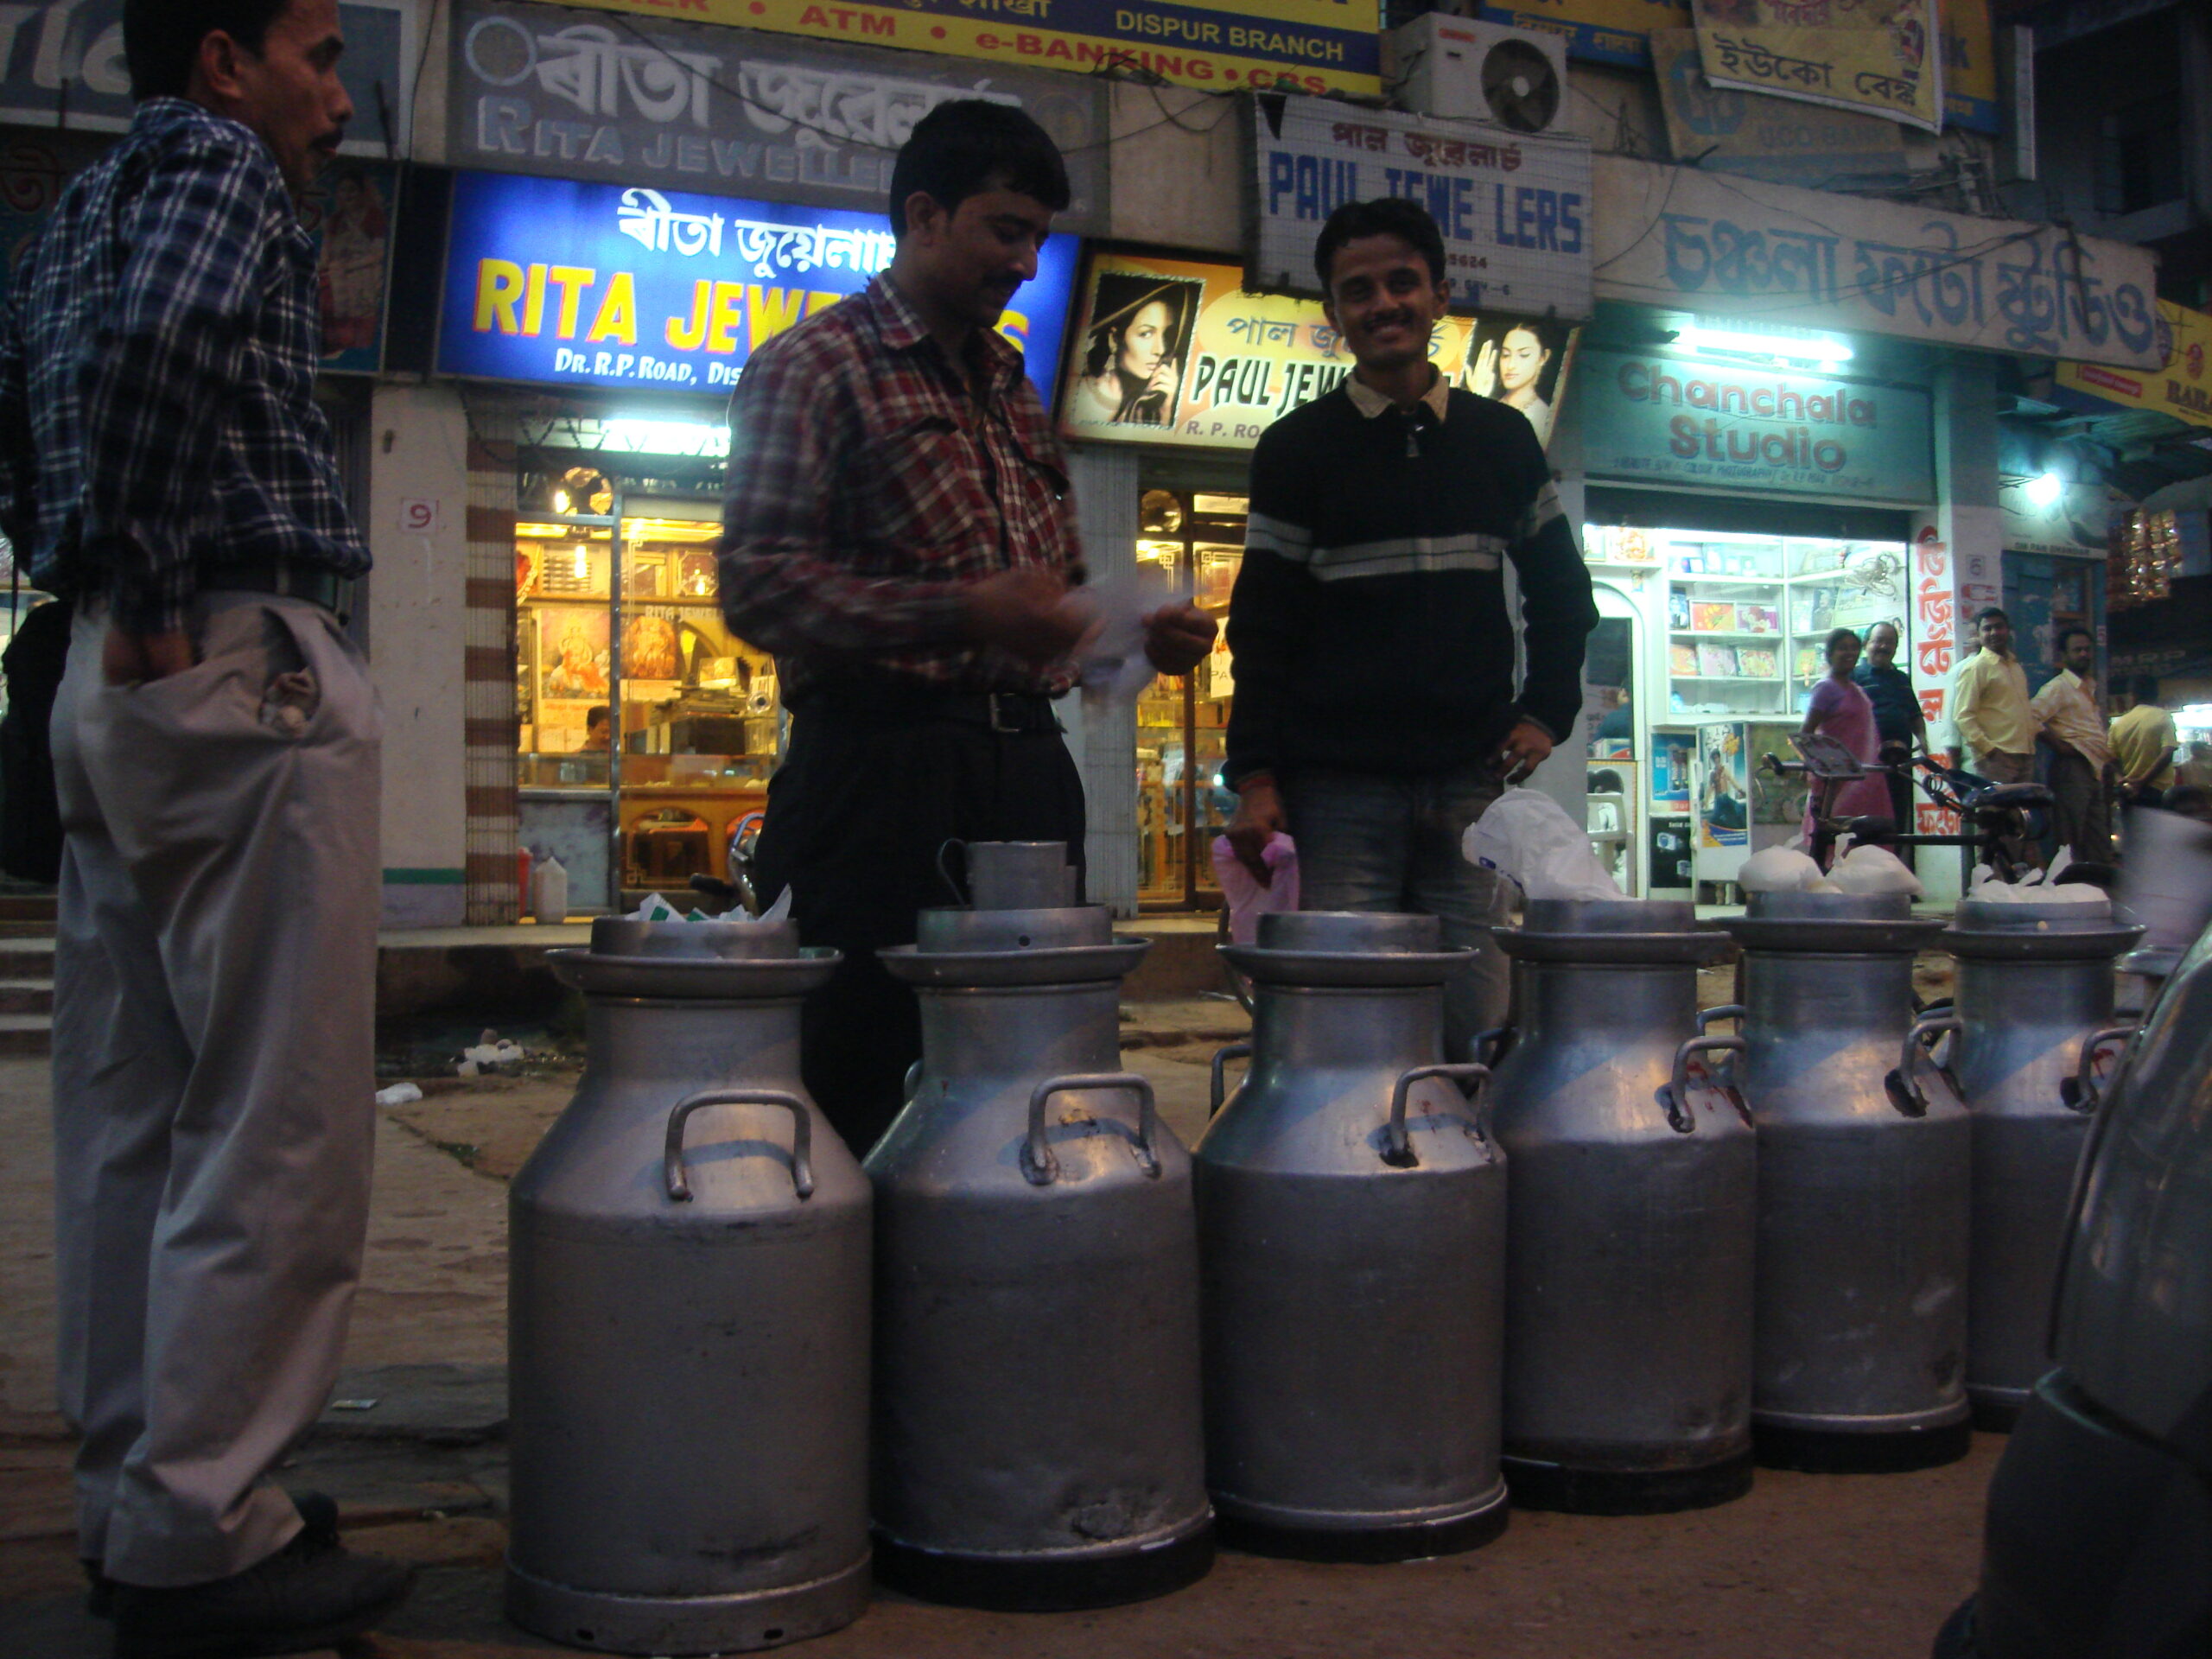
{"x":1840,"y":710}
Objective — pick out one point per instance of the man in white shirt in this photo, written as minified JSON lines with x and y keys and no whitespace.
{"x":2082,"y":751}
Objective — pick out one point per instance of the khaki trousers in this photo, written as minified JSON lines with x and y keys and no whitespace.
{"x":213,"y":1069}
{"x":2079,"y":819}
{"x":2001,"y":767}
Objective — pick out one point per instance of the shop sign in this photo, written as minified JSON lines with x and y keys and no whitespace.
{"x":1811,"y":259}
{"x":2075,"y":524}
{"x":560,"y":281}
{"x":1514,"y":208}
{"x":545,"y":89}
{"x":1890,"y":66}
{"x":1176,"y":352}
{"x":1296,"y":46}
{"x":2178,"y":386}
{"x":1686,"y":421}
{"x":1722,"y":130}
{"x":61,"y":65}
{"x":1623,"y":31}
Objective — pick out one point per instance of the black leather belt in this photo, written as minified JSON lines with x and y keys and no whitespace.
{"x":1009,"y":714}
{"x":313,"y":584}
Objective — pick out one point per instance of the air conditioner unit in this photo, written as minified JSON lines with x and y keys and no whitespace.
{"x":1511,"y":78}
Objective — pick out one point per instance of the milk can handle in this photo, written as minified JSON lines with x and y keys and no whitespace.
{"x":959,"y":897}
{"x":1675,"y":1098}
{"x":1735,"y":1011}
{"x":1904,"y":1083}
{"x":1397,"y":1148}
{"x":1042,"y":1168}
{"x":679,"y":1190}
{"x":2080,"y":1092}
{"x":1488,"y":1047}
{"x":1221,"y":1060}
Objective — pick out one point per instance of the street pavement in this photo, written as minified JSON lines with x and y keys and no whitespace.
{"x":413,"y":1449}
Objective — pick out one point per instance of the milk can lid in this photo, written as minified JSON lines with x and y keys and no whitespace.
{"x":724,"y":941}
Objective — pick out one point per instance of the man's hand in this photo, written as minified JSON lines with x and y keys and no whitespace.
{"x":1026,"y":613}
{"x":1259,"y":816}
{"x":1178,"y":637}
{"x":134,"y":659}
{"x":1526,"y":747}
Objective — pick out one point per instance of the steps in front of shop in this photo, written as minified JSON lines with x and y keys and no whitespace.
{"x":26,"y":992}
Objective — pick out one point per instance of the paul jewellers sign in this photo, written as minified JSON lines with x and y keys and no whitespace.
{"x":1687,"y":422}
{"x":548,"y":90}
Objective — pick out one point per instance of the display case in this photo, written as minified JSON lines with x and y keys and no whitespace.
{"x":1726,"y":604}
{"x":1838,"y":585}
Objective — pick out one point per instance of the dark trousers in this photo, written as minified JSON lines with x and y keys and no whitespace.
{"x":857,"y":814}
{"x":2079,"y":818}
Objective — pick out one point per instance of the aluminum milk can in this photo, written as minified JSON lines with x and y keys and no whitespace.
{"x":2035,"y":1007}
{"x":1865,"y":1162}
{"x":1627,"y":1298}
{"x":2133,"y":1325}
{"x":1351,"y":1238}
{"x":1037,"y":1439}
{"x":688,"y":1315}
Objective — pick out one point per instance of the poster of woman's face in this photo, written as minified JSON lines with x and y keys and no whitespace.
{"x":1136,"y":348}
{"x":1522,"y":364}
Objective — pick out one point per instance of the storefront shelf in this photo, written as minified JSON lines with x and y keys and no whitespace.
{"x":1726,"y":582}
{"x":1723,"y":634}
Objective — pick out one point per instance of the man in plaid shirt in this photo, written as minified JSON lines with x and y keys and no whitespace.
{"x":215,"y":741}
{"x":898,"y":531}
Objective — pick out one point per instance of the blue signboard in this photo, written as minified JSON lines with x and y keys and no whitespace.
{"x":563,"y":283}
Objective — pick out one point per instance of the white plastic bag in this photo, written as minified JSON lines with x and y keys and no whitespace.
{"x":1526,"y":836}
{"x":1777,"y":869}
{"x":1874,"y":869}
{"x":1112,"y":657}
{"x":1247,"y":899}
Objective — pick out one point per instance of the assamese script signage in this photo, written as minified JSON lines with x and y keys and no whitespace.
{"x":1694,"y":422}
{"x":1675,"y":237}
{"x":1514,"y":208}
{"x":1177,"y":353}
{"x":561,"y":282}
{"x":1618,"y":31}
{"x":61,"y":65}
{"x":1296,"y":46}
{"x":546,"y":89}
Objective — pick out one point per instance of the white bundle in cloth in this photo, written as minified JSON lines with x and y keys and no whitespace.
{"x":1527,"y":836}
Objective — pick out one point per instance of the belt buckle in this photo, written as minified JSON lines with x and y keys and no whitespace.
{"x":997,"y":726}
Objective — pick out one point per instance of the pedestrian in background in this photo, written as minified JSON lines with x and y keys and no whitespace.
{"x":215,"y":743}
{"x":1382,"y":514}
{"x":2080,"y":764}
{"x":2143,"y":742}
{"x":1899,"y":721}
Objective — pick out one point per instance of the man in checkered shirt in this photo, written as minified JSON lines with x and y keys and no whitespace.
{"x":215,"y":741}
{"x":899,"y":533}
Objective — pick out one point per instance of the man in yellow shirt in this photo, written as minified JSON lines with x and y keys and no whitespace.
{"x":2082,"y":759}
{"x":2143,"y":742}
{"x":1989,"y":705}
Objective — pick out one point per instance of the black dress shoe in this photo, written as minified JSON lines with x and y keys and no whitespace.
{"x":310,"y":1594}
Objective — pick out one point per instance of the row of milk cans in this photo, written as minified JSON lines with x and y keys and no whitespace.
{"x":1036,"y":1354}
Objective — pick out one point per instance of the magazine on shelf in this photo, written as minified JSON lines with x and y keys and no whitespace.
{"x":1758,"y":619}
{"x":1717,"y":662}
{"x":1757,"y":663}
{"x":1710,"y":616}
{"x":1681,"y":661}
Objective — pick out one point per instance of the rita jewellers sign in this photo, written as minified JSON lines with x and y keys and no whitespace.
{"x":1693,"y":423}
{"x":548,"y":90}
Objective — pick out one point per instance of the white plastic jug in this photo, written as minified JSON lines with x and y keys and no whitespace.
{"x":548,"y":892}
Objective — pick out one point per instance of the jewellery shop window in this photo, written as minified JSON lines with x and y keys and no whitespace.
{"x":643,"y":694}
{"x":1190,"y":542}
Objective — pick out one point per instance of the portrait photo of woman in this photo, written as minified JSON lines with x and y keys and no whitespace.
{"x":1135,"y":350}
{"x":1521,"y":364}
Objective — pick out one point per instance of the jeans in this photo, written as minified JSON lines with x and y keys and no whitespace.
{"x":1372,"y":841}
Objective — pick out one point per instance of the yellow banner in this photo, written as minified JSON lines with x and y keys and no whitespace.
{"x":1886,"y":60}
{"x":1295,"y":46}
{"x":2182,"y":387}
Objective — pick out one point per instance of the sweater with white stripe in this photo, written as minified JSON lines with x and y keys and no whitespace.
{"x":1368,"y":623}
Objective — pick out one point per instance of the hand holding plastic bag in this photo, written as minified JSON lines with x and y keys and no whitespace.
{"x":1247,"y":899}
{"x":1526,"y":835}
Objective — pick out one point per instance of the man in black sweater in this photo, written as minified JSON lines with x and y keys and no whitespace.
{"x":1375,"y":714}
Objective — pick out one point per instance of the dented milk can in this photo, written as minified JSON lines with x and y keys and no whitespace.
{"x":1864,"y":1164}
{"x":2034,"y":1004}
{"x":1038,"y":1443}
{"x":688,"y":1314}
{"x":1351,"y":1238}
{"x":1628,"y":1231}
